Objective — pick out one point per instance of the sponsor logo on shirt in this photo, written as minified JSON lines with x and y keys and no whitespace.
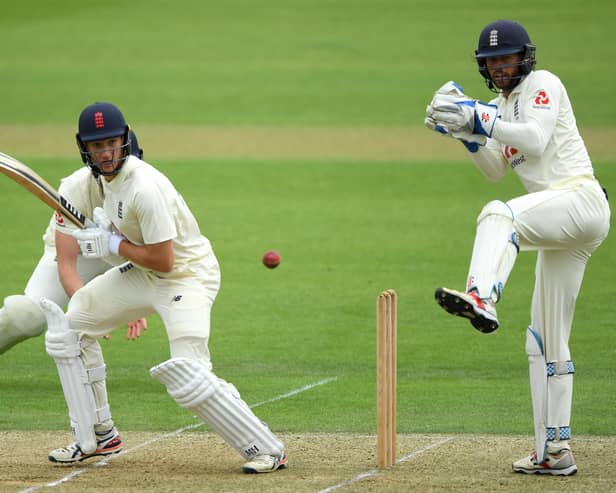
{"x":120,"y":209}
{"x":59,"y":219}
{"x":511,"y":154}
{"x":542,"y":100}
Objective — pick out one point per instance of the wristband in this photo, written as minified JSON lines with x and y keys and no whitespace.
{"x":114,"y":243}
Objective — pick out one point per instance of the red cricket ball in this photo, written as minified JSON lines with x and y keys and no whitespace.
{"x":271,"y":259}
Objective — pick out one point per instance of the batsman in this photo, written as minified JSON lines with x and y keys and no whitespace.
{"x":168,"y":268}
{"x":529,"y":127}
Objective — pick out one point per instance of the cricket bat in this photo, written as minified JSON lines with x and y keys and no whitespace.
{"x":31,"y":181}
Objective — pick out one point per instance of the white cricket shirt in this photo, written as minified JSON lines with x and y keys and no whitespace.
{"x":145,"y":207}
{"x":537,"y":135}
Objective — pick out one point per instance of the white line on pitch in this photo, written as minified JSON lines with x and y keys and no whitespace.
{"x":374,"y":472}
{"x":105,"y":461}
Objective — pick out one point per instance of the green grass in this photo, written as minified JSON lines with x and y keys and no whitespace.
{"x":345,"y":231}
{"x":282,"y":62}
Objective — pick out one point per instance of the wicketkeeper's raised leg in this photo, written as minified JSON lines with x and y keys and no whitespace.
{"x":494,"y":253}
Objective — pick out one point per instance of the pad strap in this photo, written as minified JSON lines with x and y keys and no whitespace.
{"x":97,"y":374}
{"x":560,"y":368}
{"x":558,"y":433}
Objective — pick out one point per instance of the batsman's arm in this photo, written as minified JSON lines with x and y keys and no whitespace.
{"x":67,"y":251}
{"x":157,"y":256}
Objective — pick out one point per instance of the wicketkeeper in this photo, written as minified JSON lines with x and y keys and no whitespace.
{"x":530,"y":128}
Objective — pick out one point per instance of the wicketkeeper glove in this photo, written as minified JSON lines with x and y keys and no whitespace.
{"x":99,"y":241}
{"x":466,"y":115}
{"x":451,"y":93}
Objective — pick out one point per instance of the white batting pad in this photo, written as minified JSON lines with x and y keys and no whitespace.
{"x":62,"y":345}
{"x":92,"y":359}
{"x":195,"y":387}
{"x":20,"y":319}
{"x":538,"y":388}
{"x":494,"y":251}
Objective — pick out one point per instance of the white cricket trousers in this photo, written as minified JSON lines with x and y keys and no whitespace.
{"x":564,"y":226}
{"x":126,"y":293}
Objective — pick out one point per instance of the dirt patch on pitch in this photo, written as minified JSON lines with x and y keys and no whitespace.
{"x":201,"y":462}
{"x":181,"y":142}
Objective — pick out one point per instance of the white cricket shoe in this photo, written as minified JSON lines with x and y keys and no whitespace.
{"x":109,"y":442}
{"x":481,"y":313}
{"x":559,"y":463}
{"x":265,"y":463}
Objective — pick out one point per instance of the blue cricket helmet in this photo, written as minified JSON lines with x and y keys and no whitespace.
{"x":505,"y":37}
{"x":100,"y":121}
{"x":135,"y":150}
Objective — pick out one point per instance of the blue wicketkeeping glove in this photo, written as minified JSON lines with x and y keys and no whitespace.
{"x":466,"y":115}
{"x":449,"y":94}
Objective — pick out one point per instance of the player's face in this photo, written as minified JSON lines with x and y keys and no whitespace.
{"x":504,"y":70}
{"x":106,"y":154}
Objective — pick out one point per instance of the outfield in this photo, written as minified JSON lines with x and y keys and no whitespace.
{"x":297,"y":127}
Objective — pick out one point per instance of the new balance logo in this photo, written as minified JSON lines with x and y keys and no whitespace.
{"x":120,"y":209}
{"x":126,"y":267}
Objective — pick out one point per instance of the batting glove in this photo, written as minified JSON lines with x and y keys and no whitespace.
{"x":97,"y":242}
{"x":100,"y":218}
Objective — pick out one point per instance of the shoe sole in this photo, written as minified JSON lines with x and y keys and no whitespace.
{"x":462,"y":308}
{"x":86,"y":457}
{"x":567,"y":471}
{"x":283,"y":464}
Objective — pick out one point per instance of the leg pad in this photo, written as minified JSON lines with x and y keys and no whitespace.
{"x":193,"y":386}
{"x":63,"y":346}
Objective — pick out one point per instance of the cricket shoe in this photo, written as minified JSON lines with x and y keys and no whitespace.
{"x":109,"y":442}
{"x":265,"y":463}
{"x":481,"y":313}
{"x":559,"y":463}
